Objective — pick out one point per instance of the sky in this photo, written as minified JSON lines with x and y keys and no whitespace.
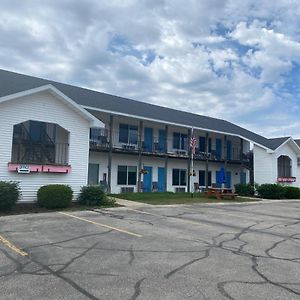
{"x":230,"y":59}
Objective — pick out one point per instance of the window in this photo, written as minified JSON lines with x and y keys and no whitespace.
{"x":179,"y":141}
{"x":202,"y":178}
{"x":284,"y":166}
{"x":36,"y":142}
{"x":127,"y":175}
{"x":179,"y":177}
{"x":128,"y":134}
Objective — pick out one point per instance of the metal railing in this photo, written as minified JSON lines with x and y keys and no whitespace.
{"x":99,"y":140}
{"x":40,"y":153}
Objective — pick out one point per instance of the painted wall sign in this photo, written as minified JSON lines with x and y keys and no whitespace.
{"x":286,"y":179}
{"x":23,"y":169}
{"x":26,"y":169}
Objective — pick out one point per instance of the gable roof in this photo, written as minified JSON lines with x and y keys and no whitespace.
{"x":59,"y":95}
{"x":274,"y":143}
{"x":297,"y":142}
{"x":11,"y":83}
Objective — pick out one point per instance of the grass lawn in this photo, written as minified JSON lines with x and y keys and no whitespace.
{"x":31,"y":208}
{"x":175,"y":198}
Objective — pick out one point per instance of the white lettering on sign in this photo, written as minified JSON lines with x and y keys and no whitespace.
{"x":23,"y":169}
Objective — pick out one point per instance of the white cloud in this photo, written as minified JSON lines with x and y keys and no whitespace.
{"x":210,"y":57}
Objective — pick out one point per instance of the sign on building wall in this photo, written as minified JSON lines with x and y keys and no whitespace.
{"x":286,"y":179}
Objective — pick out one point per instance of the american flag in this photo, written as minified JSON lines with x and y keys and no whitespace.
{"x":193,"y":143}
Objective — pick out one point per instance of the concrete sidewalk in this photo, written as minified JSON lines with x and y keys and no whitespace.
{"x":129,"y":203}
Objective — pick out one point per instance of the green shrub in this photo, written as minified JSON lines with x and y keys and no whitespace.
{"x":292,"y":192}
{"x":9,"y":194}
{"x":55,"y":196}
{"x":271,"y":191}
{"x":92,"y":195}
{"x":244,"y":189}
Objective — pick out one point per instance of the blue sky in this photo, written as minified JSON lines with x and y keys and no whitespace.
{"x":235,"y":60}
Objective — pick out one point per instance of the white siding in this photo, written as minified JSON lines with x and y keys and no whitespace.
{"x":265,"y":164}
{"x":156,"y":162}
{"x":46,"y":108}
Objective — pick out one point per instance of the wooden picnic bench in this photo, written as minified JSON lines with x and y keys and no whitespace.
{"x":221,"y":193}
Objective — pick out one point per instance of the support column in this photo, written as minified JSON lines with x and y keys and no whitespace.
{"x":111,"y":123}
{"x":139,"y":185}
{"x":189,"y":162}
{"x":206,"y":161}
{"x":241,"y":153}
{"x":166,"y":157}
{"x":225,"y":153}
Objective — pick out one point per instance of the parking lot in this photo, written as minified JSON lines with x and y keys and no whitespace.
{"x":232,"y":251}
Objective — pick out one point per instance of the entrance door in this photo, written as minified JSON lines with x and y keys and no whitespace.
{"x":148,"y":139}
{"x":218,"y":179}
{"x":148,"y":179}
{"x":161,"y":179}
{"x":228,"y":180}
{"x":229,"y":150}
{"x":243,"y":178}
{"x":93,"y":174}
{"x":218,"y":148}
{"x":161,"y":140}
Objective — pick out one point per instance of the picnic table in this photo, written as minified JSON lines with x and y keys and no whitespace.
{"x":221,"y":193}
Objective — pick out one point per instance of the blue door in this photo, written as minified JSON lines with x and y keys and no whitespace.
{"x":228,"y":180}
{"x":243,"y":178}
{"x":161,"y":179}
{"x":148,"y":139}
{"x":161,"y":140}
{"x":218,"y":179}
{"x":218,"y":148}
{"x":202,"y":140}
{"x":229,"y":150}
{"x":148,"y":179}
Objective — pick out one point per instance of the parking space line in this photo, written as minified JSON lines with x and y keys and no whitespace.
{"x":171,"y":217}
{"x":12,"y":246}
{"x":102,"y":225}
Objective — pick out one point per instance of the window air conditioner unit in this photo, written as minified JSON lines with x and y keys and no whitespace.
{"x":127,"y":190}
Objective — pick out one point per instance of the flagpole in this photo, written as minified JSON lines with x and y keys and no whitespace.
{"x":192,"y":165}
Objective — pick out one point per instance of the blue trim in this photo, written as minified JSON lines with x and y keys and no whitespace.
{"x":148,"y":179}
{"x":161,"y":179}
{"x":161,"y":140}
{"x":218,"y":148}
{"x":148,"y":139}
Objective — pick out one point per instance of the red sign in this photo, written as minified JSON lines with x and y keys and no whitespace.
{"x":286,"y":179}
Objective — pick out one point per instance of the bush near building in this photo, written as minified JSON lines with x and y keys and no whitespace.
{"x":244,"y":189}
{"x":9,"y":194}
{"x":55,"y":196}
{"x":292,"y":192}
{"x":271,"y":191}
{"x":92,"y":195}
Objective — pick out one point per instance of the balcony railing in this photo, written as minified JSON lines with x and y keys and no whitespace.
{"x":99,"y":140}
{"x":40,"y":153}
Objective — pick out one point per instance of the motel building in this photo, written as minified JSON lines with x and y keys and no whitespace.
{"x":54,"y":133}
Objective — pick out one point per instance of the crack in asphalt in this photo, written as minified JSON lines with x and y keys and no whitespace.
{"x":232,"y":242}
{"x":137,"y":289}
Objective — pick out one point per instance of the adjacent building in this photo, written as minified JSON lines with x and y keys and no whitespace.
{"x":57,"y":133}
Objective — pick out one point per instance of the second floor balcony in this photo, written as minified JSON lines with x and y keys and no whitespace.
{"x":175,"y":145}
